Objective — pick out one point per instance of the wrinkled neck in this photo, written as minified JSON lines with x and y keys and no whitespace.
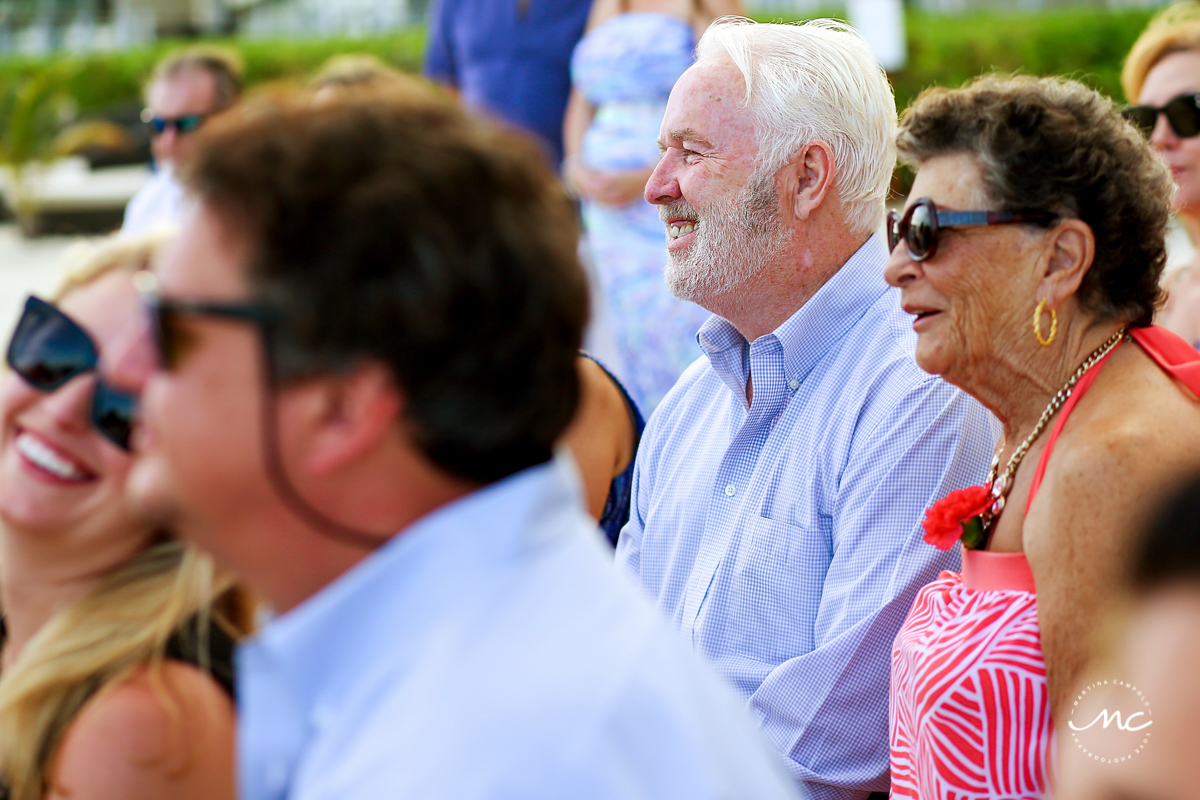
{"x":1018,"y":381}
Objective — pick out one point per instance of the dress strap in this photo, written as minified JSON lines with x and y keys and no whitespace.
{"x":1077,"y":394}
{"x":1178,"y":358}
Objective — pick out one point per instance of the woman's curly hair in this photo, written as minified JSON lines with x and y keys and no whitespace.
{"x":1054,"y":144}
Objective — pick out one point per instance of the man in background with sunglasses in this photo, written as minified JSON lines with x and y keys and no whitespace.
{"x":780,"y":486}
{"x":188,"y":87}
{"x":360,"y":353}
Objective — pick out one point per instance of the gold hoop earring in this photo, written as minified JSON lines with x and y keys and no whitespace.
{"x":1037,"y":324}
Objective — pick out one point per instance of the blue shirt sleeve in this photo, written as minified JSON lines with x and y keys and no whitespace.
{"x":827,"y":709}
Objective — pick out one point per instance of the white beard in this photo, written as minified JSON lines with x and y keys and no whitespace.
{"x":730,"y":247}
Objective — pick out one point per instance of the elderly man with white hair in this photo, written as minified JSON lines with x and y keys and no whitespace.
{"x":780,"y":486}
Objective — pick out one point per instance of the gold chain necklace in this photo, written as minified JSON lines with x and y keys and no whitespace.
{"x":1002,"y":486}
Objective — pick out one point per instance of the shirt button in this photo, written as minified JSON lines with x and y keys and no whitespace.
{"x":794,"y":385}
{"x":731,"y":490}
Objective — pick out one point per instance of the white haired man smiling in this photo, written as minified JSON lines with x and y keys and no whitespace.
{"x":780,"y":486}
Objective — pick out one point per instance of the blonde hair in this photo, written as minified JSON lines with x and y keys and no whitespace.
{"x":123,"y":623}
{"x":354,"y":73}
{"x":223,"y":64}
{"x":354,"y":69}
{"x":1176,"y":29}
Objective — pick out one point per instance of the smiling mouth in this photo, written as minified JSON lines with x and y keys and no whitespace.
{"x":676,"y":231}
{"x":43,"y":457}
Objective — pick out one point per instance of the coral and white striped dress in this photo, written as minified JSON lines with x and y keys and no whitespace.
{"x":970,"y":710}
{"x":973,"y":718}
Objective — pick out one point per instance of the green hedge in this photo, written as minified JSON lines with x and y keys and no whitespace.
{"x":1087,"y":45}
{"x":101,"y":83}
{"x":943,"y":49}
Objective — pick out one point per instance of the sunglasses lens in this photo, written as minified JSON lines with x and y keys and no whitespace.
{"x":171,"y":340}
{"x":113,"y":413}
{"x":189,"y":123}
{"x":919,"y":237}
{"x":1184,"y":115}
{"x":893,"y":230}
{"x":48,"y":348}
{"x":1142,"y":117}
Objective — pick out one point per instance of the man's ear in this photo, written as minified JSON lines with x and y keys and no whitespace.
{"x":1068,"y":256}
{"x":347,"y":416}
{"x":807,"y":178}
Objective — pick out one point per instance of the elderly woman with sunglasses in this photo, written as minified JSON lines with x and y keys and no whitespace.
{"x":115,"y":675}
{"x":1029,"y":254}
{"x":1162,"y":75}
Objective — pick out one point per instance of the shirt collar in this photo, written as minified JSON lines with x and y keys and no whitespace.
{"x":813,"y":329}
{"x":400,"y":591}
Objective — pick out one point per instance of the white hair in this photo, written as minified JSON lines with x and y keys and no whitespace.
{"x":816,"y":80}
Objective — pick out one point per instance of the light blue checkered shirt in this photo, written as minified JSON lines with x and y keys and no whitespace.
{"x":785,"y":538}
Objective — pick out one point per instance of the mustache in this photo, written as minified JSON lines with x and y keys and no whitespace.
{"x":680,"y":210}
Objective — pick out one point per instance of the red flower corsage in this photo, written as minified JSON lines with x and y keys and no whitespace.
{"x":956,"y":516}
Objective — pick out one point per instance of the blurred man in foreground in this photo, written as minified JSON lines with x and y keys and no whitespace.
{"x":188,"y":87}
{"x":364,"y":348}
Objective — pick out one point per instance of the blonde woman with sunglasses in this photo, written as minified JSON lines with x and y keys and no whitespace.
{"x":1162,"y":77}
{"x":115,"y":677}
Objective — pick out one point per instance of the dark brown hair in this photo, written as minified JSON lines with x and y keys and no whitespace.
{"x":1055,"y":144}
{"x":1169,"y":549}
{"x":403,"y":231}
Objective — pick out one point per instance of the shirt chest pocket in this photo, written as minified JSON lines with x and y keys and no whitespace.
{"x":777,"y":581}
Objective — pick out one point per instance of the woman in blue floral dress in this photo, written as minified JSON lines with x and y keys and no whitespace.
{"x":622,"y":72}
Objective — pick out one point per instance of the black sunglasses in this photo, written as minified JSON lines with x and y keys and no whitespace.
{"x":184,"y":124}
{"x":48,"y":348}
{"x":170,"y":339}
{"x":1183,"y":115}
{"x":922,"y":222}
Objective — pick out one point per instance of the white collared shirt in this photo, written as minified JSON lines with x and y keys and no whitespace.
{"x":159,"y":203}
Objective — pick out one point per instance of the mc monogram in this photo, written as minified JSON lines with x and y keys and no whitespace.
{"x":1127,"y":725}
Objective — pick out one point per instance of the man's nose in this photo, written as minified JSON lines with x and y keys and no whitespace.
{"x":663,"y":187}
{"x":167,"y":142}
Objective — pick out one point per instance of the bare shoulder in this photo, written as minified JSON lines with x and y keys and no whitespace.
{"x":1130,"y":439}
{"x":170,"y":738}
{"x":1139,"y":424}
{"x":602,"y":412}
{"x":601,"y":434}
